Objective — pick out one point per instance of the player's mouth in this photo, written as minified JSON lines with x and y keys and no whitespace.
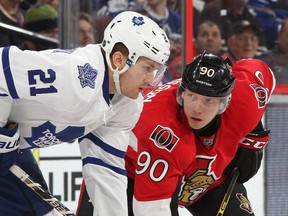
{"x":195,"y":119}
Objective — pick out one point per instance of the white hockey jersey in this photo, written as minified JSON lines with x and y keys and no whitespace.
{"x":61,"y":95}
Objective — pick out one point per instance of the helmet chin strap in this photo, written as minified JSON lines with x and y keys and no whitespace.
{"x":116,"y":73}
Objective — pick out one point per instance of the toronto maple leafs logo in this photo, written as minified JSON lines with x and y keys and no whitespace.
{"x":87,"y":75}
{"x":138,"y":20}
{"x":45,"y":135}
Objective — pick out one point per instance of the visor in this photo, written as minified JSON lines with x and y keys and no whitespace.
{"x":158,"y":75}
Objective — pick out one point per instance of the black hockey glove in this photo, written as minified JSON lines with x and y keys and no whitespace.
{"x":249,"y":155}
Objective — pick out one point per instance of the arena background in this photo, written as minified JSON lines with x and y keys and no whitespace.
{"x":61,"y":165}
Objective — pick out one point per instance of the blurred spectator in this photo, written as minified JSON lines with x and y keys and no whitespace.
{"x":228,"y":12}
{"x":277,"y":59}
{"x":164,"y":16}
{"x":214,"y":9}
{"x":243,"y":41}
{"x":175,"y":5}
{"x":113,"y":7}
{"x":198,"y":6}
{"x":167,"y":19}
{"x":174,"y":70}
{"x":270,"y":15}
{"x":86,"y":30}
{"x":208,"y":37}
{"x":26,"y":4}
{"x":54,"y":3}
{"x":42,"y":19}
{"x":100,"y":23}
{"x":10,"y":14}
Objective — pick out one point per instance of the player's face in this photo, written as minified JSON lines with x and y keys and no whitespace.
{"x":138,"y":77}
{"x":200,"y":110}
{"x":86,"y":34}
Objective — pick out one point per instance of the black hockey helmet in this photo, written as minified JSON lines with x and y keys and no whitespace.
{"x":208,"y":75}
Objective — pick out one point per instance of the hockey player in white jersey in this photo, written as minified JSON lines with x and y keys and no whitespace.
{"x":92,"y":94}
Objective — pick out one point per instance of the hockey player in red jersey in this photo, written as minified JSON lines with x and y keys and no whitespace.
{"x":190,"y":135}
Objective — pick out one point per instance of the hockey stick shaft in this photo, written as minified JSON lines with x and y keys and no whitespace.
{"x":227,"y":195}
{"x":40,"y":191}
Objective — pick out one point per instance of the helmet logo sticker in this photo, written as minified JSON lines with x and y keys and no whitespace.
{"x":87,"y":75}
{"x":203,"y":83}
{"x":138,"y":21}
{"x":207,"y":71}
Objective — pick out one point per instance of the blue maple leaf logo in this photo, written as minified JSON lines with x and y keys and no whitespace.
{"x":138,"y":20}
{"x":87,"y":75}
{"x":45,"y":135}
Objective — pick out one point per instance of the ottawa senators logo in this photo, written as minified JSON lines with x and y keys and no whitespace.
{"x":198,"y":182}
{"x":244,"y":203}
{"x":164,"y":138}
{"x":260,"y":94}
{"x":259,"y":76}
{"x":194,"y":186}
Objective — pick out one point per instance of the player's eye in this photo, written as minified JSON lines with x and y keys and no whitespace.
{"x":210,"y":101}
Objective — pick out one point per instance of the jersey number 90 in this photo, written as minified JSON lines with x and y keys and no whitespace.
{"x":157,"y":169}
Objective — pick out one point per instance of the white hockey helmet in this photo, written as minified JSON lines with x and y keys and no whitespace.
{"x":141,"y":35}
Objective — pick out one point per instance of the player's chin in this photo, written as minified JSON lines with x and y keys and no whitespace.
{"x":133,"y":95}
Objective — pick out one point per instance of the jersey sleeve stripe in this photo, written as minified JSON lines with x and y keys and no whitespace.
{"x":97,"y":161}
{"x":8,"y":73}
{"x":105,"y":146}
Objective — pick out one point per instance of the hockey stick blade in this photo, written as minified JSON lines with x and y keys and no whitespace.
{"x":227,"y":195}
{"x":40,"y":191}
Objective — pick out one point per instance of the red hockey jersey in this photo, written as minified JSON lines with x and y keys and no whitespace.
{"x":165,"y":157}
